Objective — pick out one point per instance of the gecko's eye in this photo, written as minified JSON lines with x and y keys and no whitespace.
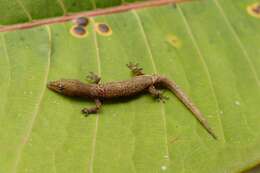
{"x":58,"y":86}
{"x":61,"y":87}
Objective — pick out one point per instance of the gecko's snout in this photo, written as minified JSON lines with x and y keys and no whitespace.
{"x":64,"y":86}
{"x":49,"y":84}
{"x":56,"y":86}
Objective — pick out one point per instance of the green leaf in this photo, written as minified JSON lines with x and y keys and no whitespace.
{"x":209,"y":48}
{"x":19,"y":11}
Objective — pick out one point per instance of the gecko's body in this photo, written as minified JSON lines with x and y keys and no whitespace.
{"x":105,"y":91}
{"x":126,"y":88}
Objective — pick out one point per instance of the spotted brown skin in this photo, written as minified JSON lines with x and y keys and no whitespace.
{"x":127,"y":88}
{"x":109,"y":90}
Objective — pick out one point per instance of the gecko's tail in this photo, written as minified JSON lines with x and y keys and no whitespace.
{"x":171,"y":85}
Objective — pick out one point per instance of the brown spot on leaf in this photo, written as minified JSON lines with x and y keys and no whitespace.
{"x":81,"y":21}
{"x":78,"y":31}
{"x":254,"y":10}
{"x":103,"y":29}
{"x":174,"y":41}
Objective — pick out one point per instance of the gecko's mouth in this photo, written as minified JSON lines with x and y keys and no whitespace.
{"x":55,"y":86}
{"x":51,"y":85}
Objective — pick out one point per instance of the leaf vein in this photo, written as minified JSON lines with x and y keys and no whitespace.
{"x":36,"y":111}
{"x":63,"y":7}
{"x":148,"y":47}
{"x":242,"y":47}
{"x":27,"y":13}
{"x":9,"y":71}
{"x":94,"y":140}
{"x":94,"y":4}
{"x":188,"y":29}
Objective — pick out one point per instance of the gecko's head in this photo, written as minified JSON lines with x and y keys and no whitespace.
{"x":65,"y":87}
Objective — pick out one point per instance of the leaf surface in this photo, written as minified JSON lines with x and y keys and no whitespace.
{"x":19,"y":11}
{"x":200,"y":45}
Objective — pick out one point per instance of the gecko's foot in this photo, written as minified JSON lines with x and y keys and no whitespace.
{"x":136,"y":70}
{"x":161,"y":97}
{"x":87,"y":111}
{"x":93,"y":78}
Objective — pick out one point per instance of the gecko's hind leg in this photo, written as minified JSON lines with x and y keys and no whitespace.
{"x":94,"y":109}
{"x":157,"y":94}
{"x":136,"y":70}
{"x":93,"y":78}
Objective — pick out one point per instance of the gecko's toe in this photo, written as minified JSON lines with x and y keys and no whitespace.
{"x":85,"y":111}
{"x":162,"y":98}
{"x":93,"y":78}
{"x":136,"y":70}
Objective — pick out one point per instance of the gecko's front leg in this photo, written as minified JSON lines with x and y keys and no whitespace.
{"x":136,"y":70}
{"x":93,"y":78}
{"x":94,"y":109}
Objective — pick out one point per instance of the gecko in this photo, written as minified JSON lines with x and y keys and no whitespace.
{"x":98,"y":92}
